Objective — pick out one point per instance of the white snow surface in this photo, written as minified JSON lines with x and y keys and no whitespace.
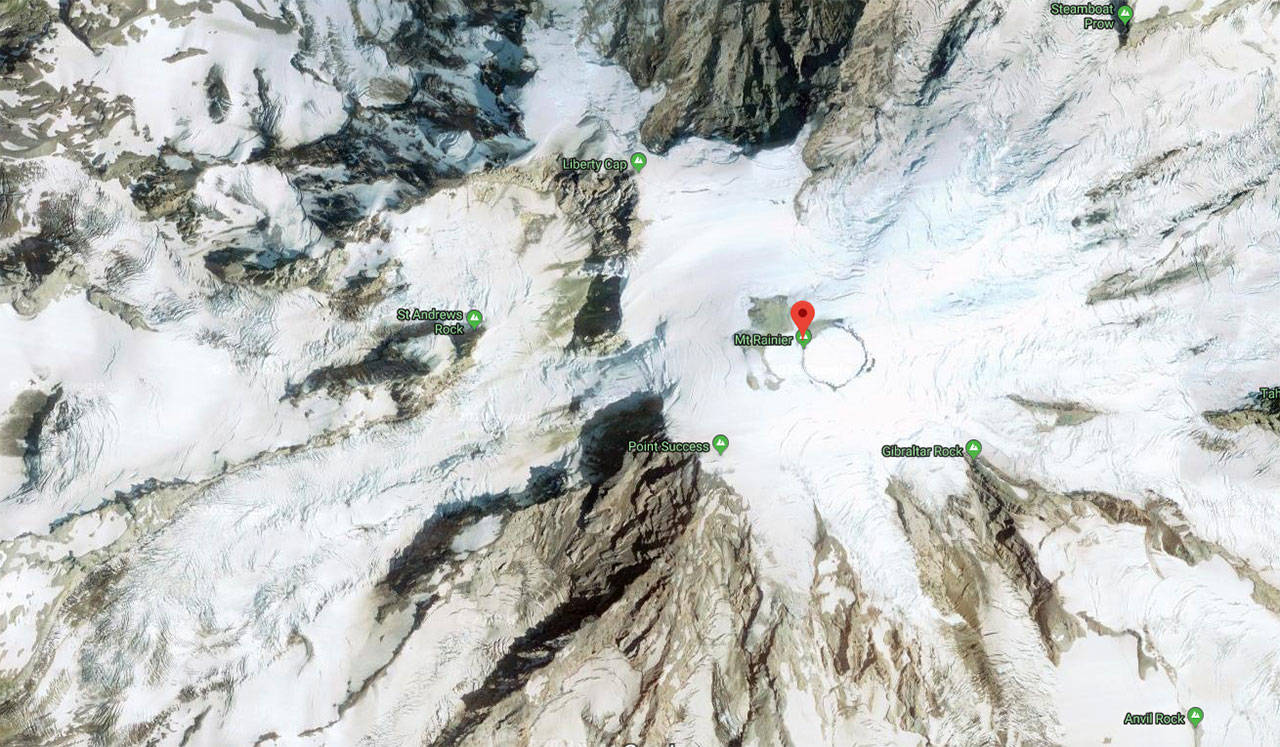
{"x":968,"y":283}
{"x":946,"y":275}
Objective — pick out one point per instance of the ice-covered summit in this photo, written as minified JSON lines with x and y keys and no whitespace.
{"x":258,"y":488}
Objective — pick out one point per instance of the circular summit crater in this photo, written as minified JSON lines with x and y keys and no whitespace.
{"x":835,"y":356}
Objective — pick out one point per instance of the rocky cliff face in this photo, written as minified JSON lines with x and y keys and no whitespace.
{"x":751,"y":73}
{"x":26,"y":23}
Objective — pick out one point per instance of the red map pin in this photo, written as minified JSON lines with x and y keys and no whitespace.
{"x":802,"y":315}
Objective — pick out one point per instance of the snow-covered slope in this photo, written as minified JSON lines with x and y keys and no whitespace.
{"x":244,"y":503}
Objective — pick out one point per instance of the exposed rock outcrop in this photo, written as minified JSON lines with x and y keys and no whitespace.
{"x":23,"y":23}
{"x":1261,"y":412}
{"x":750,"y":73}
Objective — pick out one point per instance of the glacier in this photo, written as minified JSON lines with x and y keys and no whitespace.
{"x":243,"y":504}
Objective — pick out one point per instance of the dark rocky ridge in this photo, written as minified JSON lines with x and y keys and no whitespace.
{"x":1260,"y":411}
{"x":663,"y":574}
{"x":750,"y":73}
{"x":23,"y":24}
{"x":601,"y":314}
{"x":642,"y":511}
{"x":602,"y":204}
